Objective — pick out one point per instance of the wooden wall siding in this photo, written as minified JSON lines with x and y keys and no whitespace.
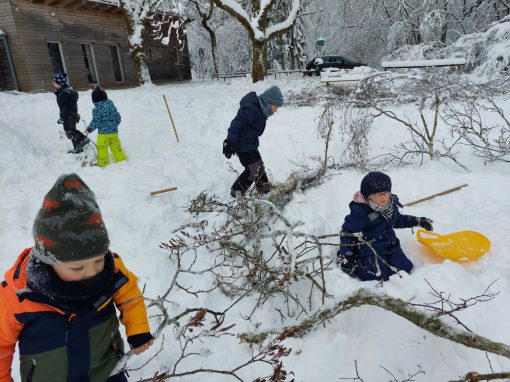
{"x":40,"y":23}
{"x":164,"y":65}
{"x":8,"y":26}
{"x":32,"y":24}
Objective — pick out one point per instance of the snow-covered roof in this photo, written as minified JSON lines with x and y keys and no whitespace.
{"x":110,"y":2}
{"x":415,"y":63}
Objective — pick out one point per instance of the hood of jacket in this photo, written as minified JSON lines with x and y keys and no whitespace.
{"x":250,"y":98}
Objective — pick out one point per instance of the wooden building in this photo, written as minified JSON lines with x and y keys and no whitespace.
{"x":87,"y":39}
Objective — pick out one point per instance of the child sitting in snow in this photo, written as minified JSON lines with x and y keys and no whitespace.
{"x":369,"y":228}
{"x":106,"y":119}
{"x":58,"y":299}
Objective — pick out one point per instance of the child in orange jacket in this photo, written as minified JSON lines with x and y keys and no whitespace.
{"x":58,"y":299}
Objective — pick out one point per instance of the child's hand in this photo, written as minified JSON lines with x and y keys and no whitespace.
{"x":426,"y":223}
{"x":85,"y":132}
{"x":142,"y":348}
{"x":140,"y":342}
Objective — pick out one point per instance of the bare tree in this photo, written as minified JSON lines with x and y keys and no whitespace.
{"x":205,"y":12}
{"x":254,"y":18}
{"x":467,"y":119}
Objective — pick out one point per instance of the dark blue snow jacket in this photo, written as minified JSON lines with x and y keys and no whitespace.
{"x":248,"y":125}
{"x":357,"y":258}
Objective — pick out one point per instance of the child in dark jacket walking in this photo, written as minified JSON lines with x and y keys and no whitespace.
{"x":67,"y":100}
{"x":369,"y":248}
{"x":106,"y":119}
{"x":243,"y":138}
{"x":59,"y":298}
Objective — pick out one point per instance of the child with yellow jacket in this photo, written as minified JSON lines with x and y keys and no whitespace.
{"x":58,"y":300}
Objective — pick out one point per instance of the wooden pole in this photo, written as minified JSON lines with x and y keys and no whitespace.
{"x":171,"y":119}
{"x":433,"y":196}
{"x":164,"y":190}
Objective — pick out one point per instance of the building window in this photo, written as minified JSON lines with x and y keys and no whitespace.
{"x":57,"y":60}
{"x":117,"y":63}
{"x":90,"y":63}
{"x":177,"y":57}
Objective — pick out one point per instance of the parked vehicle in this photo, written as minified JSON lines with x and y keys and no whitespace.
{"x":319,"y":63}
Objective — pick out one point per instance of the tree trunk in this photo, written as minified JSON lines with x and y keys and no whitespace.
{"x":135,"y":44}
{"x":259,"y":64}
{"x":213,"y":52}
{"x":282,"y":53}
{"x":138,"y":57}
{"x":214,"y":45}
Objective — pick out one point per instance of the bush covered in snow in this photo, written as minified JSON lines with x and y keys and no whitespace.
{"x":487,"y":53}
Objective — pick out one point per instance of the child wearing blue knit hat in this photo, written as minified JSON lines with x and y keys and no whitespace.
{"x":243,"y":138}
{"x":67,"y":100}
{"x":369,"y":247}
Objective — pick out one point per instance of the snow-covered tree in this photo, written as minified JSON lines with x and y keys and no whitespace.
{"x":431,"y":28}
{"x":205,"y":13}
{"x":254,"y":17}
{"x":287,"y":50}
{"x":136,"y":13}
{"x":397,"y":35}
{"x":163,"y":16}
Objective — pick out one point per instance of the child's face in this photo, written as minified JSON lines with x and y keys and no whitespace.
{"x":56,"y":86}
{"x":79,"y":270}
{"x":273,"y":108}
{"x":380,"y":198}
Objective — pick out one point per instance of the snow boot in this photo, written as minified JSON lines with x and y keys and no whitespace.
{"x":264,"y":188}
{"x":76,"y":150}
{"x":83,"y":142}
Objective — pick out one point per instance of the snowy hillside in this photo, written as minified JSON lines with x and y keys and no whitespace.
{"x":32,"y":156}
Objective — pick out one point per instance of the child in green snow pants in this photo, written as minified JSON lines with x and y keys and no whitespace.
{"x":109,"y":140}
{"x":106,"y":119}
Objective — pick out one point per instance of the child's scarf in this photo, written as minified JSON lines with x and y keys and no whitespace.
{"x":386,"y":211}
{"x":73,"y":294}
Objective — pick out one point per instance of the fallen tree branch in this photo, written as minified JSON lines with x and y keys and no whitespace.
{"x":401,"y":308}
{"x":474,"y":377}
{"x":434,"y":195}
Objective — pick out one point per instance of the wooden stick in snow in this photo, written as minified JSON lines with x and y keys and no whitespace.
{"x":171,"y":119}
{"x":164,"y":190}
{"x":433,"y":196}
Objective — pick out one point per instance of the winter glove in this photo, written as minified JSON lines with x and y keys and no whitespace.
{"x":229,"y":148}
{"x":140,"y":342}
{"x":345,"y":262}
{"x":423,"y":222}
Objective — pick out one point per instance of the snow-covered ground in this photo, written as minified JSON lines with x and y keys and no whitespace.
{"x":32,"y":157}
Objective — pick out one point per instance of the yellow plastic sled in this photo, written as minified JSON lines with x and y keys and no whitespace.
{"x":458,"y":246}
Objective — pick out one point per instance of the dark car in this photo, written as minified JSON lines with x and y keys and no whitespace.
{"x":319,"y":63}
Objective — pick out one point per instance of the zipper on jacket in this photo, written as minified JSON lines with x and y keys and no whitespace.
{"x":70,"y":317}
{"x":30,"y":375}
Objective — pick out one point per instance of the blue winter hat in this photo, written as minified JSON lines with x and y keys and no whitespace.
{"x":60,"y":79}
{"x":375,"y":181}
{"x":272,"y":96}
